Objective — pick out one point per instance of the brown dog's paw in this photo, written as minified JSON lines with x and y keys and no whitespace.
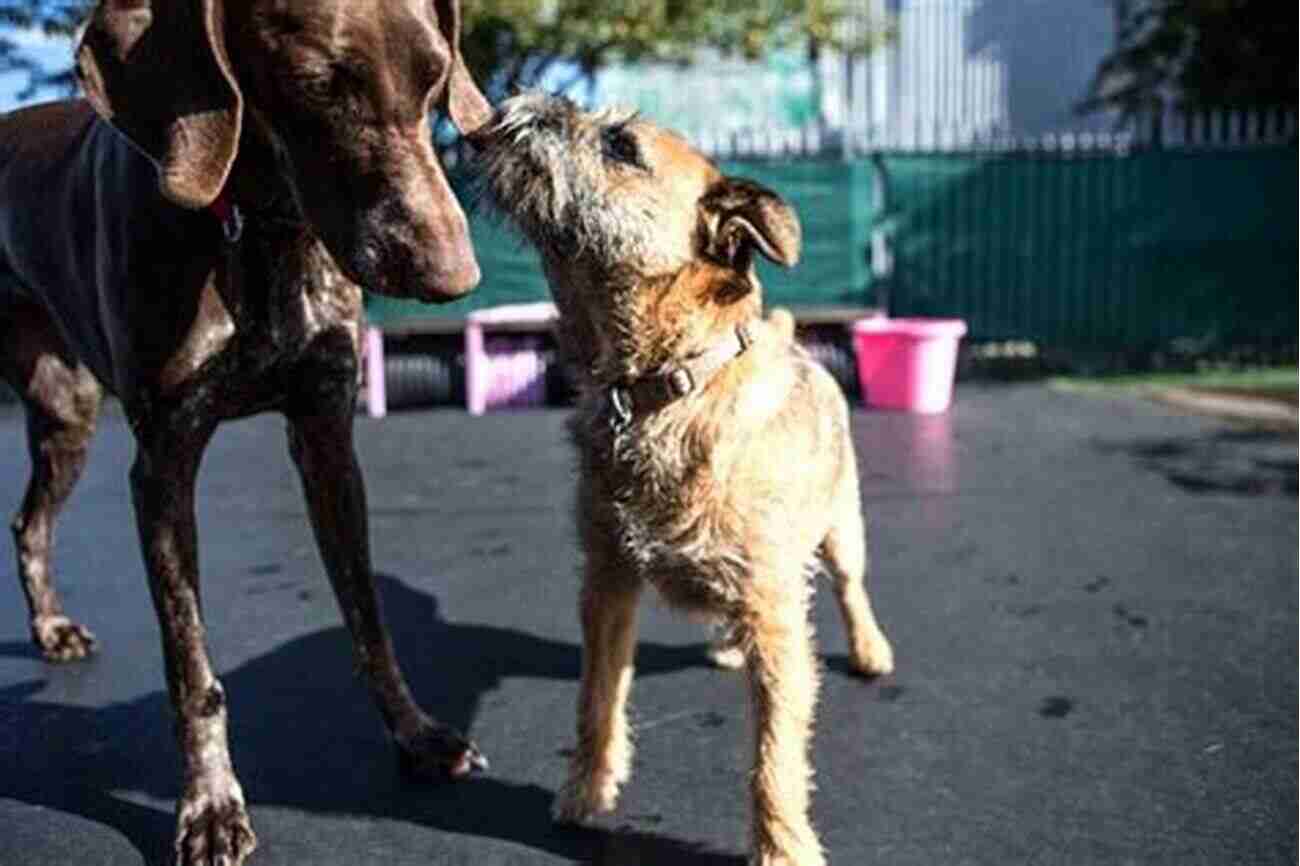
{"x":61,"y":640}
{"x":212,"y":827}
{"x":437,"y":753}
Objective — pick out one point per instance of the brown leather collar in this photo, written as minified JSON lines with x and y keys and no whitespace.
{"x":649,"y":393}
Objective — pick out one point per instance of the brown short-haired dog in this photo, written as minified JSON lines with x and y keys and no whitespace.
{"x":194,"y":237}
{"x":715,"y":458}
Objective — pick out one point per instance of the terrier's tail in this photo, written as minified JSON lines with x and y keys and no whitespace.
{"x":783,"y":321}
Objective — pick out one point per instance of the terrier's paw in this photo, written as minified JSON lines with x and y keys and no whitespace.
{"x":436,"y":752}
{"x":873,"y":659}
{"x":813,"y":857}
{"x":212,"y":827}
{"x":61,"y":640}
{"x":726,"y":650}
{"x":583,"y":798}
{"x":726,"y":656}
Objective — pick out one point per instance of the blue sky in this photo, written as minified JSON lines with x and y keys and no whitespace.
{"x":56,"y":52}
{"x":50,"y":52}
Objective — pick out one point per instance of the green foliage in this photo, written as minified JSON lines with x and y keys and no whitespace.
{"x":512,"y":43}
{"x":53,"y":17}
{"x":49,"y":16}
{"x":1198,"y":54}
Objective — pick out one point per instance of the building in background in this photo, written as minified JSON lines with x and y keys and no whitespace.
{"x":964,"y":68}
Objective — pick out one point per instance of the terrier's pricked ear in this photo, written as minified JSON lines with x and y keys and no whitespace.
{"x":742,"y":216}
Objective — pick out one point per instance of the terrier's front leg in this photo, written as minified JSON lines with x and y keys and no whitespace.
{"x":783,"y":681}
{"x":602,"y":759}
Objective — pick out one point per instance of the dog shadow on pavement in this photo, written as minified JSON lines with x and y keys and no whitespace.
{"x":305,"y":737}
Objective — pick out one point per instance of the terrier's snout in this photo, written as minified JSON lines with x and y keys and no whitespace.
{"x":522,"y":117}
{"x":603,"y":190}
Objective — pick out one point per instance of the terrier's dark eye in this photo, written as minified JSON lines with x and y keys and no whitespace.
{"x":619,"y":145}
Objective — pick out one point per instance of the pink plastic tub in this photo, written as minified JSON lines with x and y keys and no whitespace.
{"x":907,"y":364}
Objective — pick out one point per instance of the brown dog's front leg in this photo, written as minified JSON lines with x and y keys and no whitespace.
{"x":62,"y":401}
{"x":212,"y":825}
{"x":336,"y":499}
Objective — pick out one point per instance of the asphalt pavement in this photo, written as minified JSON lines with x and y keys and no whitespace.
{"x":1092,"y":602}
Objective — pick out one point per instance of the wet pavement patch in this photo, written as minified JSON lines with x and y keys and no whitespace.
{"x":891,"y":693}
{"x":263,"y":589}
{"x":1056,"y":707}
{"x":1022,"y":611}
{"x":1242,"y":462}
{"x":1133,"y":619}
{"x":1004,"y":580}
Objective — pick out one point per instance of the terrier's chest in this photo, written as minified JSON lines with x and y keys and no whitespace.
{"x":661,"y":495}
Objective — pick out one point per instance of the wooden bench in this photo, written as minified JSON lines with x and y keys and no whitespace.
{"x":481,"y":368}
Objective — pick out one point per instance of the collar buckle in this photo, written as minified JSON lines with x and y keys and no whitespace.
{"x":679,"y":382}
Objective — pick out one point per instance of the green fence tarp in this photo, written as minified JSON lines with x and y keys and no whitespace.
{"x":1101,"y":249}
{"x":1104,"y":250}
{"x":831,"y":198}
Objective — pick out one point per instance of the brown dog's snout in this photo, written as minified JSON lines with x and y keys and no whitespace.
{"x":427,"y":221}
{"x":396,"y":229}
{"x":443,"y":251}
{"x":406,"y":249}
{"x":452,"y":270}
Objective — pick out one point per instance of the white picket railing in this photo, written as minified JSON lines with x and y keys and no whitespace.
{"x":1204,"y":130}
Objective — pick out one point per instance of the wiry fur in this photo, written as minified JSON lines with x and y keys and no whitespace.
{"x":561,"y":208}
{"x":720,"y":499}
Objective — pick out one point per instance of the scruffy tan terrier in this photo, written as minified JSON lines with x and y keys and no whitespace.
{"x":715,"y":458}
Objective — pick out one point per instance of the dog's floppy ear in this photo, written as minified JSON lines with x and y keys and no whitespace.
{"x":158,"y":71}
{"x":462,"y":101}
{"x":741,"y":216}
